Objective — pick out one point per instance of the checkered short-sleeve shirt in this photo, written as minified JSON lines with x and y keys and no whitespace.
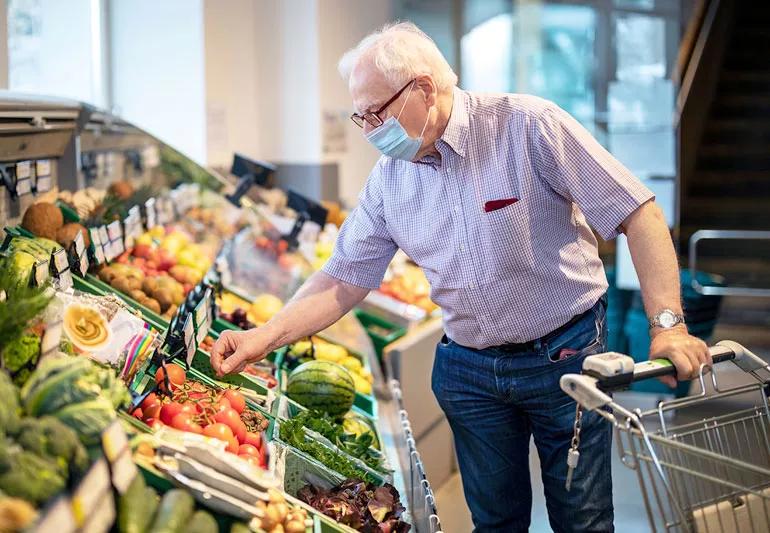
{"x":502,"y":270}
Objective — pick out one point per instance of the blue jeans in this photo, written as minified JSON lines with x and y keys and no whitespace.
{"x":496,"y":400}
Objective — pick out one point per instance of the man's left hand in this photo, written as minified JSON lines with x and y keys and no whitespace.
{"x":687,"y":353}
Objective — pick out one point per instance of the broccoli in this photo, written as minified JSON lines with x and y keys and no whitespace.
{"x":25,"y":475}
{"x":9,"y":405}
{"x":49,"y":438}
{"x":21,"y":353}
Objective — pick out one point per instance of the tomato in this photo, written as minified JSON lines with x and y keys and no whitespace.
{"x":219,"y":431}
{"x":228,"y":416}
{"x":236,"y":400}
{"x":250,"y":459}
{"x":232,"y":446}
{"x":185,"y":422}
{"x":248,"y":449}
{"x":255,"y":439}
{"x":197,"y":391}
{"x":152,"y":410}
{"x":222,"y":404}
{"x":176,"y":377}
{"x":150,"y":399}
{"x":263,"y":457}
{"x":169,"y":410}
{"x":240,"y":432}
{"x":138,"y":413}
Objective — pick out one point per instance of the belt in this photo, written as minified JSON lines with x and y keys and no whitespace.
{"x":534,"y":344}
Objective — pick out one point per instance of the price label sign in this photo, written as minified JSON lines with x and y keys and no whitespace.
{"x":44,"y":184}
{"x":40,"y":274}
{"x":118,"y":247}
{"x":23,"y":170}
{"x":59,"y":261}
{"x":149,"y":213}
{"x":114,"y":441}
{"x":189,"y":338}
{"x":114,"y":231}
{"x":96,"y":250}
{"x":83,"y":266}
{"x":65,"y":280}
{"x":90,"y":491}
{"x":58,"y":518}
{"x":80,"y":243}
{"x":51,"y":338}
{"x":43,"y":167}
{"x":104,"y":236}
{"x":123,"y":472}
{"x":128,"y":232}
{"x":23,"y":186}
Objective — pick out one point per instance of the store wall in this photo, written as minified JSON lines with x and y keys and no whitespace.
{"x":272,"y":87}
{"x":158,"y":72}
{"x":343,"y":23}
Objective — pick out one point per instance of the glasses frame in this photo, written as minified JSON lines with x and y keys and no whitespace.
{"x":373,"y":117}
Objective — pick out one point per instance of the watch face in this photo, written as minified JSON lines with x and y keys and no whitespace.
{"x":667,"y":319}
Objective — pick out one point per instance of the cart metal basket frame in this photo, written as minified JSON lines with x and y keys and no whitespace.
{"x":712,"y":475}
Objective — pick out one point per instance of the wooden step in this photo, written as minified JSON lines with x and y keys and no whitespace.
{"x":757,"y":163}
{"x":737,"y":125}
{"x":734,"y":150}
{"x":725,"y":184}
{"x":726,"y":213}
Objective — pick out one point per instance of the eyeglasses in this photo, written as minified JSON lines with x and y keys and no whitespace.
{"x":373,"y":117}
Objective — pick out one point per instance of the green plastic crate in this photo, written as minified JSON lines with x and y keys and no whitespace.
{"x":380,"y":331}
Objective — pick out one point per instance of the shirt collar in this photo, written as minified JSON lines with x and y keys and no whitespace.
{"x":456,"y":132}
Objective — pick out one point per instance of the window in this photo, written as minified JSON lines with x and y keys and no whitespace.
{"x":55,"y":48}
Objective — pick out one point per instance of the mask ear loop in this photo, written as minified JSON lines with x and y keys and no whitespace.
{"x":426,"y":122}
{"x":405,"y":101}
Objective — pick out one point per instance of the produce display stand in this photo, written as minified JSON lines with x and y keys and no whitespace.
{"x":112,"y":149}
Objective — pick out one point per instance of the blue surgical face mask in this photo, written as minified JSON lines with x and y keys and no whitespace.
{"x":392,"y":140}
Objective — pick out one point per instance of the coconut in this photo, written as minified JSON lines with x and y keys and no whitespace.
{"x":67,"y":234}
{"x":43,"y":220}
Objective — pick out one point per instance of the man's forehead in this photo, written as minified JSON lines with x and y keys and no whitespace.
{"x":368,"y":87}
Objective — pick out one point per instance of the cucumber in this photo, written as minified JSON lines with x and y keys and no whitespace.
{"x":202,"y":522}
{"x":176,"y":508}
{"x":136,"y":507}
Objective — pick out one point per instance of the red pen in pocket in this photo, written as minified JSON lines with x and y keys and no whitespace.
{"x":494,"y":205}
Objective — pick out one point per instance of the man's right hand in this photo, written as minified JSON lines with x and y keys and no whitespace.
{"x":236,"y":349}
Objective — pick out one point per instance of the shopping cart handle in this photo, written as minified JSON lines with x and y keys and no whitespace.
{"x":612,"y":371}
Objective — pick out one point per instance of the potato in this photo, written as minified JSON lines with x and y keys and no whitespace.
{"x":150,"y":285}
{"x":122,"y":285}
{"x":153,"y":305}
{"x":134,"y":284}
{"x":136,"y":294}
{"x":164,"y":298}
{"x":106,"y":274}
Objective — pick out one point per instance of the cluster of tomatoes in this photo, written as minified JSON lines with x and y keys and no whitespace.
{"x":191,"y":406}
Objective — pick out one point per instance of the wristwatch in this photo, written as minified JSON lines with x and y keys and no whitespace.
{"x":666,"y":319}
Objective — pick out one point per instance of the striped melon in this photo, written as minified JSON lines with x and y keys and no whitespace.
{"x":322,"y":385}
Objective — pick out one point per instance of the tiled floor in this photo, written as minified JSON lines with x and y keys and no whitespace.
{"x":630,"y":513}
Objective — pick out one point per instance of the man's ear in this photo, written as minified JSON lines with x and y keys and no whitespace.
{"x":428,"y":87}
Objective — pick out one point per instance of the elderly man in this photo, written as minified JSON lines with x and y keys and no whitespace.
{"x":494,"y":197}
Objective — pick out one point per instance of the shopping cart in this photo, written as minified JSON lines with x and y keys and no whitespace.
{"x":712,"y":475}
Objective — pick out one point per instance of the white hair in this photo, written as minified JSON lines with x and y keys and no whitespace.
{"x":401,"y":51}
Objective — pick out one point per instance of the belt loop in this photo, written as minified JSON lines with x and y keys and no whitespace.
{"x":538,"y":344}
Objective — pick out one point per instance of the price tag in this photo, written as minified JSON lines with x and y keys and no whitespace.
{"x":40,"y":273}
{"x":59,"y":261}
{"x":108,"y":251}
{"x":114,"y":441}
{"x":65,"y":280}
{"x":44,"y":184}
{"x":114,"y":231}
{"x":128,"y":231}
{"x":23,"y":186}
{"x":43,"y":167}
{"x":95,"y":251}
{"x":80,"y":243}
{"x":189,"y":338}
{"x":118,"y":247}
{"x":104,"y":236}
{"x":103,"y":517}
{"x":23,"y":170}
{"x":51,"y":337}
{"x":149,"y":213}
{"x":90,"y":491}
{"x":58,"y":519}
{"x":83,"y":267}
{"x":123,"y":472}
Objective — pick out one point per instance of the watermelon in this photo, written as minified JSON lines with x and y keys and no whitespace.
{"x":322,"y":385}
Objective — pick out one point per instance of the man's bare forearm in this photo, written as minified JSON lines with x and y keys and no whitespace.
{"x":652,"y":251}
{"x":319,"y":303}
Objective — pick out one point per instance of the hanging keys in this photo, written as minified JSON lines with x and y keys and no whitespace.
{"x":573,"y":455}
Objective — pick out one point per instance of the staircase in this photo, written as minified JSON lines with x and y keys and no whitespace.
{"x":729,"y":185}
